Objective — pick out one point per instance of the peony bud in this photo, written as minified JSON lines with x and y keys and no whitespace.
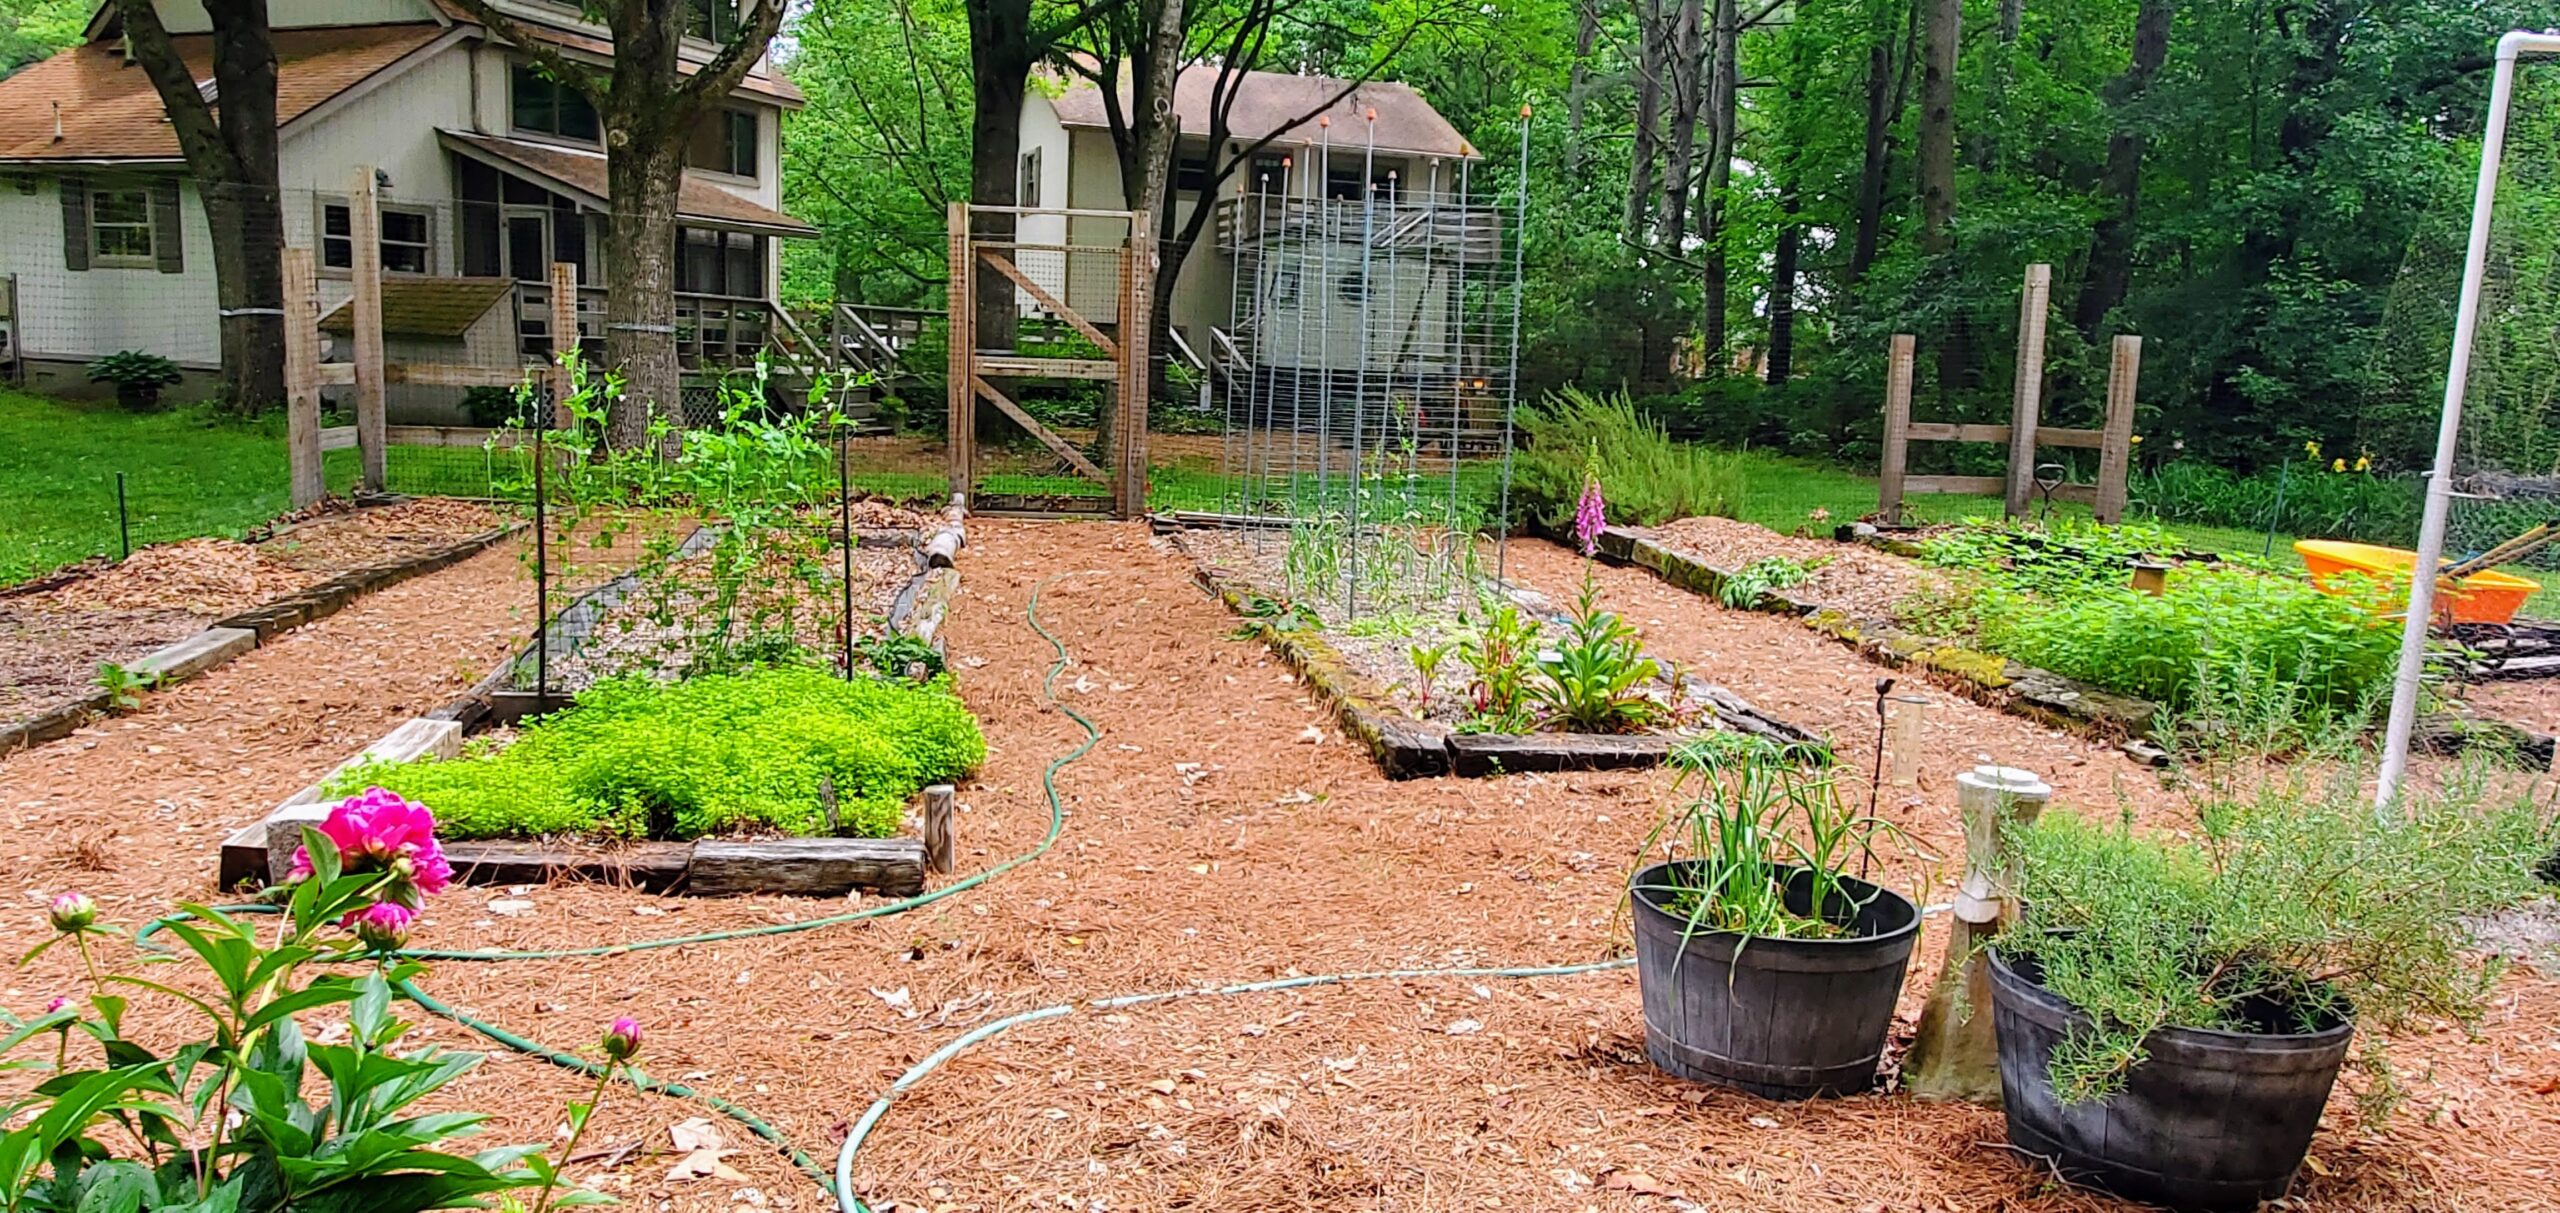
{"x":622,"y":1040}
{"x":72,"y":912}
{"x":57,"y":1004}
{"x":384,"y":925}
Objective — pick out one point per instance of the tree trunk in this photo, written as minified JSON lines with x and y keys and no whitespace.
{"x":1578,"y":87}
{"x":1146,"y":184}
{"x":1687,"y":85}
{"x":1939,"y":33}
{"x":1649,"y":73}
{"x":1783,"y":260}
{"x":640,"y":310}
{"x":1000,"y":58}
{"x":1871,"y":170}
{"x":2110,"y":274}
{"x":1722,"y":80}
{"x":230,"y":149}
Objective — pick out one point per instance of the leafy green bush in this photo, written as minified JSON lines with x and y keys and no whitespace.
{"x":2294,"y":907}
{"x":2303,"y":497}
{"x":713,"y":754}
{"x":2223,"y":623}
{"x":1648,"y":478}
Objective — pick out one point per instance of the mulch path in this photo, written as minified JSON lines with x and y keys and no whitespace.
{"x":1865,"y":582}
{"x":1205,"y":843}
{"x":52,"y":642}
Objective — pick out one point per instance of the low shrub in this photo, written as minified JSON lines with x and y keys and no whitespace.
{"x":714,"y":754}
{"x":1648,"y":477}
{"x":2294,"y":900}
{"x":2331,"y":499}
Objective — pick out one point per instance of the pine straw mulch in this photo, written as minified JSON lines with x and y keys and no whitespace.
{"x":52,"y":641}
{"x":1856,"y":578}
{"x":1204,"y":845}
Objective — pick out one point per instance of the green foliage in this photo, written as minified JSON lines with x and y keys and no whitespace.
{"x":1742,"y":591}
{"x":249,"y":1116}
{"x":497,"y":407}
{"x":1647,"y":478}
{"x":1427,"y":660}
{"x":1747,"y":814}
{"x":2294,"y":907}
{"x":125,"y":687}
{"x":134,"y":368}
{"x":717,"y":753}
{"x":2306,"y":496}
{"x":1595,"y":681}
{"x":2060,"y":599}
{"x":900,"y":655}
{"x":1497,"y":648}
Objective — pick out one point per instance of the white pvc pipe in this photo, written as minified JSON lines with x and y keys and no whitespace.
{"x":2405,"y":686}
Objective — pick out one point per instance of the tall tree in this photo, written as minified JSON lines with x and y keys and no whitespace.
{"x":1887,"y":82}
{"x":1939,"y":36}
{"x":1724,"y":82}
{"x":230,"y":148}
{"x":2110,"y":273}
{"x":648,"y":104}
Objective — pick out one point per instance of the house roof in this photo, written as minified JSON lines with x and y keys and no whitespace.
{"x":581,"y":175}
{"x":443,"y":308}
{"x":1266,"y":102}
{"x":109,"y":110}
{"x":762,"y":80}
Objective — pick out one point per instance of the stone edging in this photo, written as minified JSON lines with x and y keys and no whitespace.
{"x":1407,"y":748}
{"x":228,"y":638}
{"x":261,"y":853}
{"x":1987,"y":678}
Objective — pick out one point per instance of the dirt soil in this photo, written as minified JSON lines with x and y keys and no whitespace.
{"x":52,"y":642}
{"x":1204,"y":843}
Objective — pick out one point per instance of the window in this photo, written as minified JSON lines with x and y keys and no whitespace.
{"x":1028,"y":193}
{"x":724,"y":141}
{"x":1270,"y":174}
{"x":1343,"y":184}
{"x":1191,"y":173}
{"x":719,"y":263}
{"x":120,"y":224}
{"x":408,"y":242}
{"x":715,"y":20}
{"x":547,"y":107}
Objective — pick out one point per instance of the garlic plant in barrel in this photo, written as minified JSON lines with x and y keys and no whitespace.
{"x":222,"y":1122}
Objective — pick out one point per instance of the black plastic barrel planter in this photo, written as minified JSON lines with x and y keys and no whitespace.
{"x":1780,"y":1018}
{"x":2209,"y":1120}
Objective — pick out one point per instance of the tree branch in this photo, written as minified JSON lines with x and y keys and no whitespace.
{"x":199,"y":136}
{"x":552,"y":60}
{"x":730,"y":66}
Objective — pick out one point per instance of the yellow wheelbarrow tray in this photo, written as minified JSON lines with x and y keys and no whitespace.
{"x":2487,"y":596}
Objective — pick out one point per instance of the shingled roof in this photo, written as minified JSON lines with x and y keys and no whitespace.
{"x":443,"y":308}
{"x":110,"y":112}
{"x":582,"y":175}
{"x":1272,"y":101}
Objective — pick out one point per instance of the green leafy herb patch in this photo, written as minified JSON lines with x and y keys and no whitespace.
{"x":717,"y":754}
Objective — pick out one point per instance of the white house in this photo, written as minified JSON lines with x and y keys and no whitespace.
{"x":487,"y":172}
{"x":1356,"y":200}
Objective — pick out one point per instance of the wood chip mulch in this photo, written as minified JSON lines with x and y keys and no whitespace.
{"x":1205,"y":844}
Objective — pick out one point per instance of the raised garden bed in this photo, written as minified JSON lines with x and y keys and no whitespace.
{"x":170,"y":613}
{"x":1365,"y":667}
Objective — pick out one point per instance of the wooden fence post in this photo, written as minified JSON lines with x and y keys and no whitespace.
{"x":1137,"y":296}
{"x":2027,"y":399}
{"x":1955,"y":1055}
{"x":941,"y":842}
{"x":2115,"y":450}
{"x":302,"y":379}
{"x":564,"y":338}
{"x":364,"y":228}
{"x":1897,"y":428}
{"x":961,"y":330}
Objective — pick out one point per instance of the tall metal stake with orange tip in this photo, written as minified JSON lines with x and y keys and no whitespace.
{"x":1956,"y":1056}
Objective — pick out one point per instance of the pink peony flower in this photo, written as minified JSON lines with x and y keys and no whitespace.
{"x":622,"y":1040}
{"x":378,"y":831}
{"x":1589,"y":515}
{"x":71,"y":912}
{"x":57,"y":1004}
{"x":383,"y":926}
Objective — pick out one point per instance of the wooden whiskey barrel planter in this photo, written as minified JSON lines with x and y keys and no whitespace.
{"x":1779,"y":1018}
{"x":2209,"y":1120}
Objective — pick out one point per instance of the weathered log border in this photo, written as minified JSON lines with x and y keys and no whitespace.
{"x":1407,"y":748}
{"x":228,"y":638}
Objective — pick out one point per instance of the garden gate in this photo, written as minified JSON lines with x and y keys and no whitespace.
{"x":1081,"y":284}
{"x":2113,"y":440}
